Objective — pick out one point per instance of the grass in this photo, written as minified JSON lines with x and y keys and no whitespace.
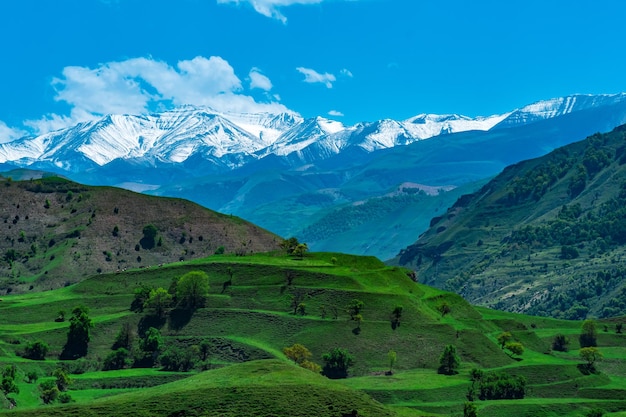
{"x":250,"y":322}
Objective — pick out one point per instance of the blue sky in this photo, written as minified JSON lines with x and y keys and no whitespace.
{"x":66,"y":61}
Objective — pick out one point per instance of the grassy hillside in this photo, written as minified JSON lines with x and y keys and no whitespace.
{"x":546,"y":237}
{"x":379,"y":226}
{"x":250,"y":317}
{"x":56,"y":232}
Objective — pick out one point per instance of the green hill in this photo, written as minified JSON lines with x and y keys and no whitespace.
{"x":56,"y":232}
{"x":259,"y":304}
{"x":547,"y":236}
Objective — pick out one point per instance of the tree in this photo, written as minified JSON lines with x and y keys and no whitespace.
{"x":9,"y":371}
{"x":590,"y":355}
{"x":159,"y":301}
{"x":516,"y":348}
{"x":118,"y":359}
{"x":300,"y":355}
{"x":560,"y":343}
{"x":78,"y":336}
{"x":354,"y":308}
{"x":63,"y":380}
{"x":589,"y":334}
{"x":149,"y":233}
{"x":141,"y":296}
{"x":297,"y":353}
{"x":289,"y":245}
{"x":9,"y":386}
{"x":177,"y":359}
{"x":153,"y":341}
{"x":36,"y":350}
{"x":204,"y":350}
{"x":49,"y":391}
{"x":470,"y":409}
{"x":32,"y":377}
{"x":149,"y":347}
{"x":501,"y":386}
{"x":192,"y":290}
{"x":504,"y":338}
{"x":300,"y":250}
{"x":449,"y":361}
{"x":391,"y":358}
{"x":337,"y":363}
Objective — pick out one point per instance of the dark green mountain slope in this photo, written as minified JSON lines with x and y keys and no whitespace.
{"x":547,"y":236}
{"x":55,"y":232}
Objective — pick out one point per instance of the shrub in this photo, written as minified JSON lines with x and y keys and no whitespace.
{"x":501,"y":386}
{"x":588,"y":335}
{"x":515,"y":348}
{"x":63,"y":380}
{"x":9,"y":386}
{"x":49,"y":391}
{"x":560,"y":343}
{"x":177,"y":359}
{"x":504,"y":338}
{"x":65,"y":398}
{"x":118,"y":359}
{"x":32,"y":377}
{"x":36,"y":350}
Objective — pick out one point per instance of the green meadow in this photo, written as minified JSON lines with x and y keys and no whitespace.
{"x":260,"y":304}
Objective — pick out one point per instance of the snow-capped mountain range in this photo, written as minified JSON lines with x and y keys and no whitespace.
{"x":230,"y":140}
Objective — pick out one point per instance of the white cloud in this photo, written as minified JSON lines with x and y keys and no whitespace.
{"x":258,"y":80}
{"x":270,"y":8}
{"x":312,"y":76}
{"x":8,"y":134}
{"x":138,"y":85}
{"x":346,"y":73}
{"x":335,"y":113}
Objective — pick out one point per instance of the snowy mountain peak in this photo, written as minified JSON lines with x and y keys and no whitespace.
{"x":230,"y":140}
{"x":555,"y":107}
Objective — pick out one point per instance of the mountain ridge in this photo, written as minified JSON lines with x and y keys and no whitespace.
{"x":176,"y":135}
{"x":544,"y":237}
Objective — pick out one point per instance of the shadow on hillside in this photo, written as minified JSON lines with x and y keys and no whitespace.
{"x":586,"y":369}
{"x":179,"y":318}
{"x":147,"y":243}
{"x":149,"y":321}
